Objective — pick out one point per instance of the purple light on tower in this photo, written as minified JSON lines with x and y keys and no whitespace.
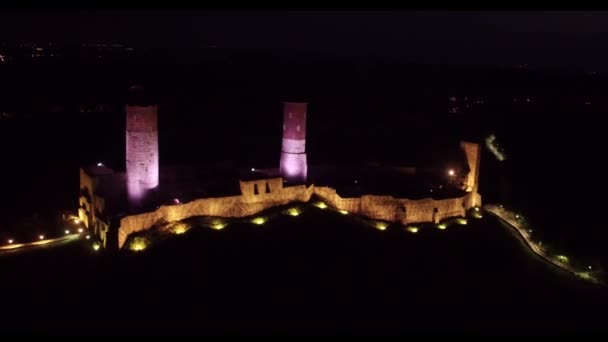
{"x":142,"y":151}
{"x":294,"y":167}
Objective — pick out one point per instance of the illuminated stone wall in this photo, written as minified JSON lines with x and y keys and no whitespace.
{"x":234,"y":206}
{"x":385,"y":208}
{"x":142,"y":151}
{"x":248,"y":188}
{"x":90,"y":206}
{"x":406,"y":211}
{"x":330,"y":196}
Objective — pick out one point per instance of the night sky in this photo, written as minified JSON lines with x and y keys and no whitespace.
{"x":562,"y":40}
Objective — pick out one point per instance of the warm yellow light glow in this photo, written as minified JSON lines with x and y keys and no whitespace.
{"x":88,"y":237}
{"x":321,"y":205}
{"x":477,"y":215}
{"x":451,"y":172}
{"x":258,"y":220}
{"x":80,"y":230}
{"x":476,"y":208}
{"x":96,"y":246}
{"x":67,"y":232}
{"x":293,"y":211}
{"x":77,"y":221}
{"x":343,"y":212}
{"x":562,"y":258}
{"x":139,"y":244}
{"x":462,"y":221}
{"x":381,"y":225}
{"x":180,"y":228}
{"x":41,"y":237}
{"x":412,"y":229}
{"x":442,"y":226}
{"x":217,"y":224}
{"x":10,"y":241}
{"x":585,"y":275}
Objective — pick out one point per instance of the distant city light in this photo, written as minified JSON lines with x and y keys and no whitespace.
{"x":96,"y":246}
{"x":99,"y":164}
{"x":10,"y":241}
{"x":343,"y":212}
{"x":176,"y":201}
{"x":476,"y":208}
{"x":77,"y":221}
{"x":451,"y":172}
{"x":462,"y":221}
{"x":589,"y":267}
{"x":88,"y":237}
{"x":80,"y":230}
{"x":412,"y":229}
{"x":252,"y":169}
{"x":67,"y":232}
{"x":442,"y":226}
{"x":41,"y":237}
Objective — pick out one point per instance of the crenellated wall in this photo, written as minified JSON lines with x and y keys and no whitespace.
{"x":233,"y":206}
{"x":406,"y":211}
{"x":259,"y":195}
{"x":386,"y":208}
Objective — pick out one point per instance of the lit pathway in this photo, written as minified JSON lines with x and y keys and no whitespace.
{"x":516,"y":224}
{"x":14,"y":246}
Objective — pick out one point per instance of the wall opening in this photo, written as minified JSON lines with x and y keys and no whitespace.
{"x":255,"y":189}
{"x":267,"y":188}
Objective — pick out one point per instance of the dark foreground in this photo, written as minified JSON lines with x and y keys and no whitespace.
{"x":318,"y":271}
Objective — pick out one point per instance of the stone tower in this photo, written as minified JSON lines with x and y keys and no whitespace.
{"x":473,"y":154}
{"x":142,"y":151}
{"x":293,"y":166}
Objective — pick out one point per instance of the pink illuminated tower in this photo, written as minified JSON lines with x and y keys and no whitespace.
{"x":293,"y":153}
{"x":142,"y":151}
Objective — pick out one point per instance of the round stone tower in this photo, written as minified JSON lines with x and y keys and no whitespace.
{"x":142,"y":149}
{"x":293,"y":166}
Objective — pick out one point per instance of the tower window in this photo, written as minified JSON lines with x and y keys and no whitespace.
{"x":255,"y":189}
{"x":298,"y":128}
{"x":267,"y":188}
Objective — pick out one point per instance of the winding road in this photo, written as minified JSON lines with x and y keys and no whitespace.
{"x":40,"y":243}
{"x":513,"y":221}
